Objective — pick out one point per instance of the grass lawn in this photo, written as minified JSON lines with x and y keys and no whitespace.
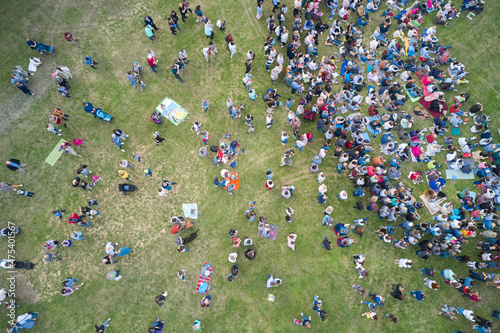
{"x":112,"y":33}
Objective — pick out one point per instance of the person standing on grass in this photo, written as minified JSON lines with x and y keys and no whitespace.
{"x":186,"y":5}
{"x":183,"y":11}
{"x":276,"y":4}
{"x":63,"y":91}
{"x":88,"y":61}
{"x":206,"y":54}
{"x":175,"y":71}
{"x":209,"y":30}
{"x":149,"y":32}
{"x":229,"y":38}
{"x":158,"y":138}
{"x":248,"y":66}
{"x":116,"y":139}
{"x":205,"y":104}
{"x":183,"y":56}
{"x":131,"y":78}
{"x":149,"y":21}
{"x":199,"y":13}
{"x":24,"y":88}
{"x":70,"y":38}
{"x":64,"y":72}
{"x":259,"y":10}
{"x":175,"y":19}
{"x":152,"y":61}
{"x":232,"y":49}
{"x":171,"y":25}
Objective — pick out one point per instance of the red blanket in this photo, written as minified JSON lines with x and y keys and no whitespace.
{"x":426,"y":105}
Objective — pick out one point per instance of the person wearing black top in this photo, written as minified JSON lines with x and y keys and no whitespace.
{"x":102,"y":328}
{"x":149,"y":21}
{"x":250,"y":253}
{"x":183,"y":11}
{"x":160,"y":299}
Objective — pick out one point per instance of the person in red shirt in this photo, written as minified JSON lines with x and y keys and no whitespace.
{"x":69,"y":37}
{"x":152,"y":61}
{"x":475,"y":297}
{"x":229,"y":38}
{"x":74,"y":218}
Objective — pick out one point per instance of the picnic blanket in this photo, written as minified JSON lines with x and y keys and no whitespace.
{"x":204,"y":279}
{"x":190,"y":211}
{"x":273,"y":229}
{"x":458,"y":174}
{"x":55,"y":154}
{"x":432,"y":207}
{"x":413,"y":99}
{"x":426,"y":105}
{"x":371,"y":129}
{"x":172,"y":111}
{"x":236,"y":182}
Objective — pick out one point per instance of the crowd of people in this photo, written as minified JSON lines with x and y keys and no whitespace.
{"x":406,"y":63}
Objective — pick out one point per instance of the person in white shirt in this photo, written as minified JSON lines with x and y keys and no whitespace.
{"x":467,"y":314}
{"x":313,"y":65}
{"x":344,"y":13}
{"x":451,"y":156}
{"x":404,"y":263}
{"x":110,"y":248}
{"x":232,"y":49}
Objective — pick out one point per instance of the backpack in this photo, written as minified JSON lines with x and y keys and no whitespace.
{"x":214,"y":149}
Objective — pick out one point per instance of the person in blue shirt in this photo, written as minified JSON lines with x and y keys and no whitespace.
{"x":88,"y":61}
{"x":216,"y":160}
{"x":88,"y":107}
{"x":379,"y":300}
{"x":276,"y":4}
{"x":14,"y":164}
{"x":419,"y":296}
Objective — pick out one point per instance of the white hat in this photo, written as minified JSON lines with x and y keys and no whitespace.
{"x":232,"y":257}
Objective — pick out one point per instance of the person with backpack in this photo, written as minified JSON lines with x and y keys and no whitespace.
{"x":175,"y":71}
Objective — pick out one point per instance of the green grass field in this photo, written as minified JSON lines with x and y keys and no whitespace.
{"x":112,"y":33}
